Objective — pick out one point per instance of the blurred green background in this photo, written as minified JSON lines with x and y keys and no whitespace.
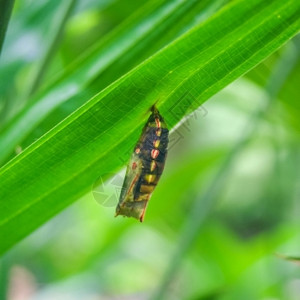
{"x":225,"y":213}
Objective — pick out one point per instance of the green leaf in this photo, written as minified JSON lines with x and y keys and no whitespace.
{"x":93,"y":141}
{"x":105,"y":62}
{"x":173,"y":23}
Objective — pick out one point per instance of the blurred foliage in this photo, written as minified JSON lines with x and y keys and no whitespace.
{"x":229,"y":251}
{"x":5,"y":12}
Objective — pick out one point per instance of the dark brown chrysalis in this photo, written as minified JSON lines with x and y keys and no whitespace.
{"x":145,"y":168}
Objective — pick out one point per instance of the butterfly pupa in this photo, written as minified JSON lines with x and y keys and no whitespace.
{"x":145,"y":167}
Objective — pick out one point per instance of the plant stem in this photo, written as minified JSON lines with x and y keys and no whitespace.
{"x":6,"y":7}
{"x":54,"y":40}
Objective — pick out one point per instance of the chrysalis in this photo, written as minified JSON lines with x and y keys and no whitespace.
{"x":145,"y":168}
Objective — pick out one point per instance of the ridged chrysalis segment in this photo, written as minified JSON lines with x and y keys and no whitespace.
{"x":145,"y":168}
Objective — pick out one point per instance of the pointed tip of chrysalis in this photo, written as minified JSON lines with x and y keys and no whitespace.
{"x":154,"y":107}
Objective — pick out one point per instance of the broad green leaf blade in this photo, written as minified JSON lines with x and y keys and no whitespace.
{"x":111,"y":58}
{"x":171,"y":26}
{"x":93,"y":141}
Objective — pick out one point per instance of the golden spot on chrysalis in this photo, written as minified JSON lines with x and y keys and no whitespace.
{"x":156,"y":143}
{"x":158,"y":132}
{"x":152,"y":165}
{"x":150,"y":178}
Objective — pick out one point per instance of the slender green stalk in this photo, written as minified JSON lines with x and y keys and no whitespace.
{"x":54,"y":40}
{"x":6,"y":7}
{"x":207,"y":201}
